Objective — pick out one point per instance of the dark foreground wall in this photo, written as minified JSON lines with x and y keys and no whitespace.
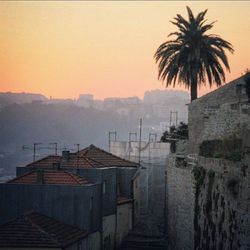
{"x":69,"y":204}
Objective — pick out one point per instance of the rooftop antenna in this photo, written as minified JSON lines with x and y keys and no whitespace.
{"x":55,"y":144}
{"x":130,"y":134}
{"x":34,"y":149}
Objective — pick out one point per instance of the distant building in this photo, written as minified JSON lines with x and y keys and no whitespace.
{"x":85,"y":100}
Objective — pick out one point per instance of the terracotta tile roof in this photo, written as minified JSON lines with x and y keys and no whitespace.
{"x":105,"y":157}
{"x":37,"y":230}
{"x":50,"y":177}
{"x":45,"y":162}
{"x":123,"y":200}
{"x":90,"y":157}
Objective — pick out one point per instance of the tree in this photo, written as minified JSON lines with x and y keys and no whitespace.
{"x":175,"y":133}
{"x":193,"y":56}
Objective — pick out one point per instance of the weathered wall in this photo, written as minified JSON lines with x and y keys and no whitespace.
{"x":93,"y":242}
{"x":97,"y":175}
{"x":69,"y":204}
{"x":124,"y":181}
{"x":180,"y":200}
{"x":124,"y":221}
{"x":151,"y":180}
{"x":223,"y":206}
{"x":202,"y":112}
{"x":108,"y":231}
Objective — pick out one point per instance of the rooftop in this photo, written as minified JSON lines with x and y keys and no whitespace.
{"x":50,"y":177}
{"x":90,"y":157}
{"x":105,"y":157}
{"x":36,"y":230}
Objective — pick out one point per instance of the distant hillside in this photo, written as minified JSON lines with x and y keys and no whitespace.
{"x":166,"y":96}
{"x":35,"y":119}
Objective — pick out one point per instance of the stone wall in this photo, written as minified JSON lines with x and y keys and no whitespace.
{"x":180,"y":199}
{"x":204,"y":112}
{"x":223,"y":206}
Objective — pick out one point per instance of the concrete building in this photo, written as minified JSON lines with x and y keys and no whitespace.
{"x":208,"y":205}
{"x":113,"y":176}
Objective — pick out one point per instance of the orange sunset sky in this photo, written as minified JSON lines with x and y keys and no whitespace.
{"x":62,"y":49}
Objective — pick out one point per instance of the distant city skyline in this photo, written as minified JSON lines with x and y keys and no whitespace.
{"x":63,"y":49}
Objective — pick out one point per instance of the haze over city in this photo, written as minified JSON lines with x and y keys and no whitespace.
{"x":62,"y":49}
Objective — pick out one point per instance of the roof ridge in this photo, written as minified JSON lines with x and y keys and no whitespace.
{"x":21,"y":176}
{"x":33,"y":224}
{"x":114,"y":155}
{"x":46,"y":157}
{"x":91,"y":159}
{"x":75,"y":176}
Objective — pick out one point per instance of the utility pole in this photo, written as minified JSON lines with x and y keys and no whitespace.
{"x":140,"y":142}
{"x":55,"y":144}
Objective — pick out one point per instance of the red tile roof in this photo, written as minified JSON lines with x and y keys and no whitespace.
{"x":90,"y":157}
{"x":51,"y":177}
{"x":45,"y":162}
{"x":105,"y":157}
{"x":123,"y":200}
{"x":37,"y":230}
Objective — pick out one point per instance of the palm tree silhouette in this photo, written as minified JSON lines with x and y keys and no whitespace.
{"x":193,"y":57}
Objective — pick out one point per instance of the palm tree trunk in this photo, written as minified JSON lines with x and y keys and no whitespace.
{"x":194,"y":90}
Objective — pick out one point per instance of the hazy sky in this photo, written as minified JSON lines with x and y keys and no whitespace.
{"x":62,"y":49}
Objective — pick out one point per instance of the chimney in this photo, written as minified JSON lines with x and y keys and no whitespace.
{"x":40,"y":177}
{"x":56,"y":165}
{"x":65,"y":155}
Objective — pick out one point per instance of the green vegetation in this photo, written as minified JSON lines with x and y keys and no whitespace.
{"x":199,"y":175}
{"x":229,"y":149}
{"x":180,"y":132}
{"x":247,"y":85}
{"x":193,"y":57}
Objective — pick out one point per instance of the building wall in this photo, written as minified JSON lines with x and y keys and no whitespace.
{"x":209,"y":105}
{"x":124,"y":221}
{"x":69,"y":204}
{"x":136,"y":197}
{"x":124,"y":180}
{"x":151,"y":180}
{"x":93,"y":241}
{"x":180,"y":200}
{"x":223,"y":205}
{"x":108,"y":231}
{"x":99,"y":175}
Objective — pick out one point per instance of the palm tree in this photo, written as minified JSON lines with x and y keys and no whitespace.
{"x":193,"y":56}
